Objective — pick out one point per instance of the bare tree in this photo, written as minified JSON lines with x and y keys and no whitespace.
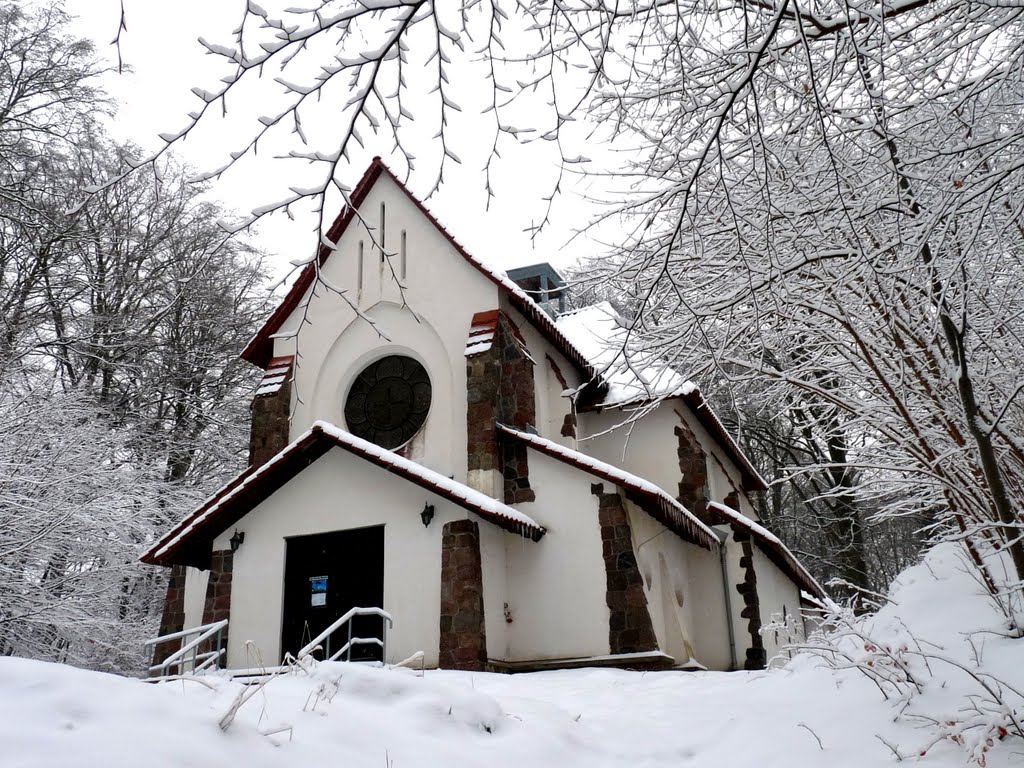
{"x":122,"y":400}
{"x":826,"y":199}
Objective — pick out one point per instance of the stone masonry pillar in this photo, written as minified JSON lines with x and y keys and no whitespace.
{"x":629,"y":626}
{"x":173,"y":618}
{"x":756,"y":656}
{"x":463,"y":638}
{"x":271,"y":411}
{"x":500,"y":389}
{"x":693,"y":466}
{"x":217,"y":605}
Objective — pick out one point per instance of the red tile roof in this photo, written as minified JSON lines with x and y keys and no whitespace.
{"x":189,"y":542}
{"x":645,"y":494}
{"x":278,"y":372}
{"x":260,"y":349}
{"x":772,"y":547}
{"x":482,"y":329}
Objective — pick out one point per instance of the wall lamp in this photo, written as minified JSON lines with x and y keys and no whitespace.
{"x":427,"y":514}
{"x":236,"y":540}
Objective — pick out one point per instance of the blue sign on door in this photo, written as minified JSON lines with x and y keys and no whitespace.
{"x":317,"y":590}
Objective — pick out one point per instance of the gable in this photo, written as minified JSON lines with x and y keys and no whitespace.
{"x":260,"y":349}
{"x":650,"y":498}
{"x":189,"y":542}
{"x":646,"y":381}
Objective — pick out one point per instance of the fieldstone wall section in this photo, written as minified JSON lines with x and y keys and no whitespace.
{"x":268,"y":433}
{"x":463,"y":637}
{"x":500,"y":389}
{"x":629,"y":627}
{"x":569,"y":422}
{"x":483,"y":374}
{"x":516,"y":473}
{"x":756,"y":657}
{"x":217,"y":605}
{"x":693,"y":466}
{"x":173,"y":618}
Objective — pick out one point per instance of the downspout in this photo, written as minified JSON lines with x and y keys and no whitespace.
{"x":722,"y":539}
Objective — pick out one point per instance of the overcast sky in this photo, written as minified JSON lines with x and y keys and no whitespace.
{"x":161,"y":47}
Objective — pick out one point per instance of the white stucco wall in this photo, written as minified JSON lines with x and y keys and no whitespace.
{"x":557,"y":586}
{"x":551,"y":406}
{"x":779,"y":600}
{"x":683,"y":584}
{"x":339,"y":491}
{"x":735,"y":575}
{"x":437,"y":443}
{"x":649,"y":448}
{"x":442,"y":292}
{"x":493,"y":544}
{"x":195,"y":596}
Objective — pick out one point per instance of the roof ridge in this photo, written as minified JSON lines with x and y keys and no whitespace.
{"x":668,"y":510}
{"x":259,"y":350}
{"x":496,"y":512}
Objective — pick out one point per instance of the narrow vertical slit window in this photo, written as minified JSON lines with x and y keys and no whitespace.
{"x":359,"y":268}
{"x":381,"y":233}
{"x":402,"y":260}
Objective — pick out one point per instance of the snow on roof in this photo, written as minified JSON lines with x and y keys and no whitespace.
{"x":601,"y":335}
{"x":240,"y":495}
{"x":655,"y":501}
{"x":279,"y":370}
{"x":482,"y":329}
{"x":453,"y":490}
{"x":772,"y":546}
{"x":260,"y":348}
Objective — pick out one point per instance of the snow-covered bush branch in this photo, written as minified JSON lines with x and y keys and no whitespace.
{"x":949,"y":675}
{"x":122,"y":397}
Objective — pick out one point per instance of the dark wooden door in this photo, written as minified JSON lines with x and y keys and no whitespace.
{"x":324,"y":576}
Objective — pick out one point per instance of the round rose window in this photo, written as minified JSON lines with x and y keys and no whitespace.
{"x":388,"y":401}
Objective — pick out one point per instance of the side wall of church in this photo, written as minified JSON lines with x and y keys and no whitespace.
{"x":683,"y":583}
{"x":494,"y":542}
{"x":651,"y":451}
{"x":195,"y":595}
{"x":557,"y":587}
{"x":780,"y":601}
{"x":650,"y":447}
{"x":553,"y":410}
{"x":735,"y":579}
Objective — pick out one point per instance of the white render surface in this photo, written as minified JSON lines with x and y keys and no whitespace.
{"x":340,"y":491}
{"x":779,"y":600}
{"x":679,"y":578}
{"x":648,"y":447}
{"x":195,"y":595}
{"x":557,"y":586}
{"x":441,"y":292}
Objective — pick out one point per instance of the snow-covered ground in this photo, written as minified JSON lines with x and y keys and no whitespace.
{"x":806,"y":714}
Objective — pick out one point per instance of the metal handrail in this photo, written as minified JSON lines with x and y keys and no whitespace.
{"x":358,"y":641}
{"x":313,"y":644}
{"x":177,"y":659}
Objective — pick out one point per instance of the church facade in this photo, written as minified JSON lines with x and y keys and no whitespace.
{"x":434,"y":438}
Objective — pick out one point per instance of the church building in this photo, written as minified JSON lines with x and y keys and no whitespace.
{"x":443,"y":441}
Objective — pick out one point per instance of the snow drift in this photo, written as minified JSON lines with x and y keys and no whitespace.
{"x":821,"y":708}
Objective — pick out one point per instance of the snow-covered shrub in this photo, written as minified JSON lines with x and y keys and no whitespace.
{"x":943,"y":650}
